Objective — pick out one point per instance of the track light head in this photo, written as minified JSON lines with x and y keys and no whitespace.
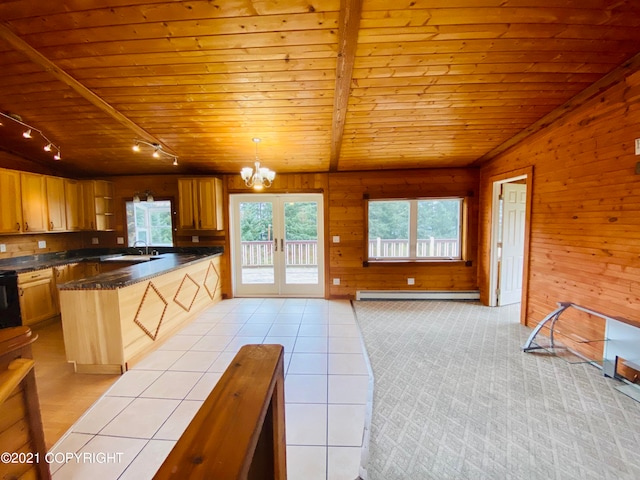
{"x":27,"y":133}
{"x":47,"y":147}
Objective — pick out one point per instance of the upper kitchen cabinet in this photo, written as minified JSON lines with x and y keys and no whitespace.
{"x":11,"y":210}
{"x":97,"y":205}
{"x":200,"y":204}
{"x":73,"y":196}
{"x":56,"y":204}
{"x":34,"y":202}
{"x":103,"y":204}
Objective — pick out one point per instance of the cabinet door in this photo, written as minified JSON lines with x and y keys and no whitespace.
{"x":37,"y":300}
{"x":209,"y":218}
{"x":88,"y":205}
{"x":11,"y":210}
{"x":34,"y":202}
{"x":73,"y":196}
{"x":56,"y":204}
{"x":186,"y":206}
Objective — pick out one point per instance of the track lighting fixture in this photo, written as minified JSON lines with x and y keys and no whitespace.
{"x":30,"y":131}
{"x":157,"y":150}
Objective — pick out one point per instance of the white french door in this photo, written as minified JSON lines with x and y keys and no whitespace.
{"x":277,"y":245}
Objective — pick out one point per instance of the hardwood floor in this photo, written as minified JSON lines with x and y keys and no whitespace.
{"x":64,"y":395}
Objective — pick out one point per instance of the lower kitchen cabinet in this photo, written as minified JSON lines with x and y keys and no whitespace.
{"x":38,"y":296}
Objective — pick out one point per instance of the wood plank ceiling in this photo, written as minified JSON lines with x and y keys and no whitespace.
{"x":328,"y":85}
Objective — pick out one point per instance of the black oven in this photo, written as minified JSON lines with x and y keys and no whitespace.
{"x":9,"y":301}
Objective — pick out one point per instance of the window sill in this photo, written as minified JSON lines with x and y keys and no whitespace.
{"x":422,"y":262}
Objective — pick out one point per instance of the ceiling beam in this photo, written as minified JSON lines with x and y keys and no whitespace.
{"x":620,"y":73}
{"x":348,"y":26}
{"x":36,"y":57}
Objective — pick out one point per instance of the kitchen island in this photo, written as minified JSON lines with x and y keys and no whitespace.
{"x":114,"y":317}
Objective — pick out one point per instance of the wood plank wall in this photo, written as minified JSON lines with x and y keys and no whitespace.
{"x":585,"y":219}
{"x":346,"y":219}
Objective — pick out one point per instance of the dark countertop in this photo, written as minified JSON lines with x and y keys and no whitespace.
{"x":122,"y":277}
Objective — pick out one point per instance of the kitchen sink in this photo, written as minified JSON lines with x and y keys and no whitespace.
{"x":133,"y":258}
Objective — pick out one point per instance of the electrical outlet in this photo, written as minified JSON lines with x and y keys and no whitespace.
{"x":336,"y":281}
{"x":3,"y":248}
{"x":120,"y":240}
{"x":195,"y":239}
{"x":411,"y":281}
{"x":95,"y":241}
{"x":336,"y":239}
{"x":42,"y":244}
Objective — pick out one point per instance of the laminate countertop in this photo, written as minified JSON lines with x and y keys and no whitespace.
{"x":135,"y":268}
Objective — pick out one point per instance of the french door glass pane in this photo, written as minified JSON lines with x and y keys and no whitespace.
{"x":301,"y":242}
{"x":256,"y":238}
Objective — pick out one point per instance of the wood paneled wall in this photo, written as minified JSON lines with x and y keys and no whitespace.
{"x":585,"y":219}
{"x":346,"y":220}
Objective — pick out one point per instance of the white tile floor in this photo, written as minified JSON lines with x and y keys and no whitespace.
{"x":326,"y":391}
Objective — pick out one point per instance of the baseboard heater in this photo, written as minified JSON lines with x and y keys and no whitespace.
{"x":417,"y":295}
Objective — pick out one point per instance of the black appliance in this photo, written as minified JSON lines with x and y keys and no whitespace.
{"x":9,"y":301}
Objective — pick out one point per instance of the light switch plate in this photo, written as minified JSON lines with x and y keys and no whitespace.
{"x":336,"y":281}
{"x":95,"y":241}
{"x":195,"y":239}
{"x":120,"y":240}
{"x":3,"y":247}
{"x":637,"y":146}
{"x":336,"y":239}
{"x":42,"y":244}
{"x":411,"y":281}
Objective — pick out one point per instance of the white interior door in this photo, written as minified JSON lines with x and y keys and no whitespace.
{"x":277,"y":245}
{"x":514,"y":202}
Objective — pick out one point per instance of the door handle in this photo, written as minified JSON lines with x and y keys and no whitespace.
{"x":275,"y":244}
{"x":282,"y":244}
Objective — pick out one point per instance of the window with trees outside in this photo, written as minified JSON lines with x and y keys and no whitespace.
{"x":415,"y":229}
{"x":149,"y":224}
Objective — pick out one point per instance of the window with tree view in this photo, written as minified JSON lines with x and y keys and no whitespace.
{"x":149,"y":223}
{"x":415,"y":229}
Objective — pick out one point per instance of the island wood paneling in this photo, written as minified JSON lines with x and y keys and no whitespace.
{"x":585,"y":218}
{"x":346,"y":220}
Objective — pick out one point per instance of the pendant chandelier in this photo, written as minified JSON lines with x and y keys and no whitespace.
{"x":259,"y":178}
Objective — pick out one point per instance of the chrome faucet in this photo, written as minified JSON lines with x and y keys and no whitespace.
{"x":146,"y":247}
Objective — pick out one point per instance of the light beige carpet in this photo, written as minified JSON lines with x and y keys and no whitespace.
{"x":456,"y":398}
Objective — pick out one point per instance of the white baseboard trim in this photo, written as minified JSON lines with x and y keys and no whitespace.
{"x":417,"y":295}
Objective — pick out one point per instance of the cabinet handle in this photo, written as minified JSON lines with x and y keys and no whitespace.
{"x":18,"y":226}
{"x":26,"y":227}
{"x":199,"y":223}
{"x":51,"y":225}
{"x":57,"y":272}
{"x":21,"y":292}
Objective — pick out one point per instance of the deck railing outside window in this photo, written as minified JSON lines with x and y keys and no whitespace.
{"x":425,"y":248}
